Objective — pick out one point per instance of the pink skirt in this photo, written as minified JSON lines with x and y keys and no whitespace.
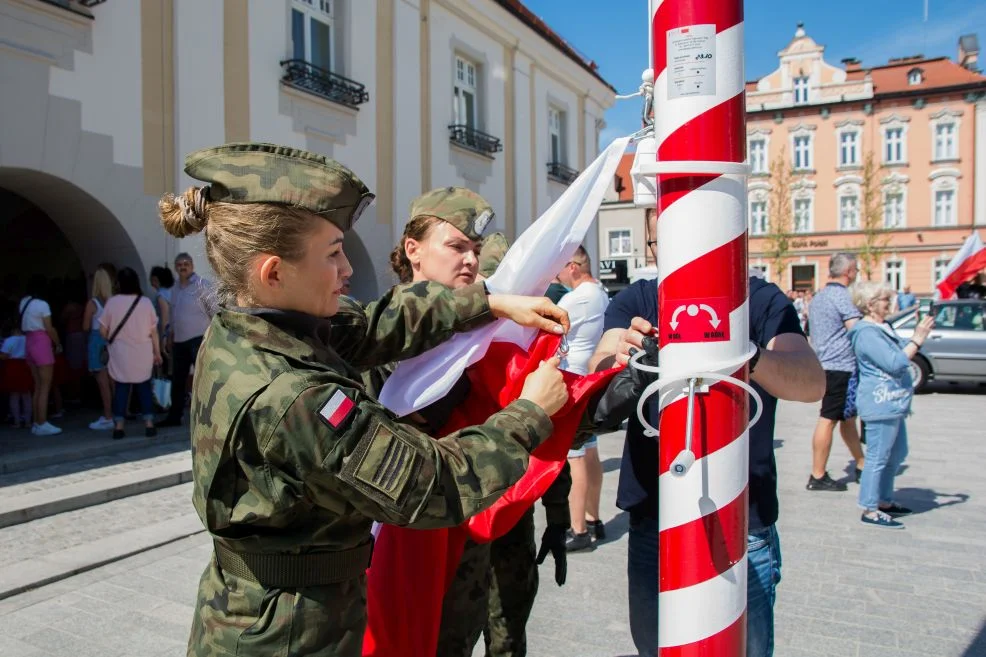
{"x":39,"y":349}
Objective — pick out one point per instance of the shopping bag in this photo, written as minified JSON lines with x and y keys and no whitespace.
{"x":162,"y":392}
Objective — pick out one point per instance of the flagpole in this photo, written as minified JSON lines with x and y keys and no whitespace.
{"x":703,"y":321}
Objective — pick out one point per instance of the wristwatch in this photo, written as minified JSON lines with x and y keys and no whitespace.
{"x":755,"y":359}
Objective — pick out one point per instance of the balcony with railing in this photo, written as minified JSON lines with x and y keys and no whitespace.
{"x":561,"y":173}
{"x":318,"y":81}
{"x":474,"y":140}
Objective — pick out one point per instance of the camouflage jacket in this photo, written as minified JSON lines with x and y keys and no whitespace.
{"x":290,"y":455}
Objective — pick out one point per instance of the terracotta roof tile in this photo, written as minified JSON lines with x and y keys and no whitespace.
{"x":936,"y":73}
{"x":622,"y":180}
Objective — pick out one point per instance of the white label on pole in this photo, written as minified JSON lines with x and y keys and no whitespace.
{"x":692,"y":61}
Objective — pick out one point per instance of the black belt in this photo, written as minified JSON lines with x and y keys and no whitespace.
{"x":294,"y":571}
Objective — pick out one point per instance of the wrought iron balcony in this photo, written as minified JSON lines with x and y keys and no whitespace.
{"x":474,"y":140}
{"x":561,"y":173}
{"x":320,"y":82}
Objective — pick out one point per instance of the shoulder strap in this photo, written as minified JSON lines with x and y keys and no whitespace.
{"x":20,"y":322}
{"x":125,"y":318}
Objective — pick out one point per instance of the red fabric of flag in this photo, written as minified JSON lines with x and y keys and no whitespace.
{"x":412,"y":569}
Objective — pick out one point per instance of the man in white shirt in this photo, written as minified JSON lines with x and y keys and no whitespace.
{"x":586,"y":305}
{"x":192,"y":308}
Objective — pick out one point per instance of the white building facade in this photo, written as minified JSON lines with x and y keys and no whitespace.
{"x":103,"y":99}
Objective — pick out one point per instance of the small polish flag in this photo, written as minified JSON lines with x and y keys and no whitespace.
{"x":337,"y":410}
{"x":968,"y":262}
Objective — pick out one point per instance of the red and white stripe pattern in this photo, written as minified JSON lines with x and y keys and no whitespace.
{"x":702,"y":254}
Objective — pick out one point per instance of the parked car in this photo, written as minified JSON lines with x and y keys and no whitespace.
{"x":956,"y":348}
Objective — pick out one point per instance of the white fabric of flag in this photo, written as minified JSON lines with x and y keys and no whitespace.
{"x":527,"y":268}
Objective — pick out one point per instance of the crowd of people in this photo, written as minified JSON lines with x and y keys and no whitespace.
{"x":125,"y":346}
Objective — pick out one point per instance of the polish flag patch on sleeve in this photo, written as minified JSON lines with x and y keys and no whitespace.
{"x":337,"y":410}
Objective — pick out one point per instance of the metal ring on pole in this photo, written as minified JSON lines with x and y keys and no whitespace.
{"x":698,"y":167}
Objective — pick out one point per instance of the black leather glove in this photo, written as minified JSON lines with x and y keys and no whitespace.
{"x":553,"y":540}
{"x":619,"y":399}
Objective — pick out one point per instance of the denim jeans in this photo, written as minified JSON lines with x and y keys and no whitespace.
{"x":122,"y":391}
{"x":886,"y":449}
{"x":763,"y":574}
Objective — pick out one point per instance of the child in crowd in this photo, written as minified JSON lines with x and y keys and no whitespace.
{"x":16,"y":378}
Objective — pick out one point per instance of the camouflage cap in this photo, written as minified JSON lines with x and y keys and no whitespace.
{"x":494,"y":247}
{"x":461,"y":207}
{"x":250,"y":172}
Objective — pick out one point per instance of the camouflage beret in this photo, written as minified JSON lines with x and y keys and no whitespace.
{"x":461,"y":207}
{"x":491,"y":253}
{"x":250,"y":172}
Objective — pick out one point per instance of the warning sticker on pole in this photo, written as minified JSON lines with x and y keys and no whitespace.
{"x":692,"y":61}
{"x":696,"y":320}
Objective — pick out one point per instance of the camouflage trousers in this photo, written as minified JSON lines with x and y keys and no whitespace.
{"x":237,"y":617}
{"x":492,"y":594}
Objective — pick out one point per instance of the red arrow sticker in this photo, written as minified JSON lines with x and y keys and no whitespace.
{"x":696,"y":320}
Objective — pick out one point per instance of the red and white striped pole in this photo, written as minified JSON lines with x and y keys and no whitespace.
{"x":699,"y":122}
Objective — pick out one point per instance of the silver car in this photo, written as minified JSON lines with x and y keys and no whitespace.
{"x":956,"y":348}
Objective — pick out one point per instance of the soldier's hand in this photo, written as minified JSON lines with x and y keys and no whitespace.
{"x":553,"y":541}
{"x":546,"y":387}
{"x":536,"y":312}
{"x":619,"y":400}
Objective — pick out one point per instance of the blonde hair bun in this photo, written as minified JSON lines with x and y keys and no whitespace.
{"x":186,"y":214}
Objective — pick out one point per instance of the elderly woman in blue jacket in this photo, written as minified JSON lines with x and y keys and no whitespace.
{"x":883,"y":399}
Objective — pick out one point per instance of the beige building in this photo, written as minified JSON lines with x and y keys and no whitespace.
{"x":102,"y":100}
{"x":899,"y":149}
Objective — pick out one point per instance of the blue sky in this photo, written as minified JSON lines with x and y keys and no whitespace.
{"x":614,"y":34}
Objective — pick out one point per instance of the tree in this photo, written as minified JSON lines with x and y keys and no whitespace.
{"x":780,"y":215}
{"x":875,"y":237}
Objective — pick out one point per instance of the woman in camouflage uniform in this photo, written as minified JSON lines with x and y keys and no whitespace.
{"x":292,"y":460}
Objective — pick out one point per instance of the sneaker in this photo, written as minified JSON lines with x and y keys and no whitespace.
{"x":577,"y":542}
{"x":102,"y":424}
{"x":118,"y":434}
{"x":880,"y":519}
{"x":895,"y":510}
{"x":150,"y":432}
{"x":597,"y":529}
{"x":826,"y":483}
{"x":57,"y":414}
{"x":46,"y":429}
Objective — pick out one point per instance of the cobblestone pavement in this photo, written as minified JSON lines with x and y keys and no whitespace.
{"x":64,"y":530}
{"x":847,"y":589}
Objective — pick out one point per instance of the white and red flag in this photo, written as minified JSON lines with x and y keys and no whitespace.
{"x":969,"y":261}
{"x":412,"y":569}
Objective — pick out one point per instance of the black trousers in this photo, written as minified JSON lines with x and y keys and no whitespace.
{"x":184,"y":357}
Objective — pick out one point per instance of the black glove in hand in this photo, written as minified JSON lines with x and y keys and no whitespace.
{"x":553,"y":540}
{"x":619,"y":399}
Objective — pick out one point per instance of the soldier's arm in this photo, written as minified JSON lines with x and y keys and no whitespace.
{"x":555,"y":499}
{"x":406,"y":321}
{"x":356,"y":450}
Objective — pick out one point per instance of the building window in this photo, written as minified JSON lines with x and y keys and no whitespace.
{"x":893,"y":274}
{"x":894,"y":152}
{"x":758,"y":156}
{"x":938,"y":270}
{"x":556,"y":122}
{"x":803,"y":277}
{"x":893,"y":210}
{"x":802,"y":215}
{"x":945,"y":141}
{"x":620,"y":242}
{"x":801,"y":90}
{"x":915,"y":76}
{"x":311,"y":32}
{"x":758,"y":218}
{"x":802,"y":152}
{"x":464,"y":97}
{"x":848,"y":148}
{"x":945,"y":210}
{"x":849,"y":212}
